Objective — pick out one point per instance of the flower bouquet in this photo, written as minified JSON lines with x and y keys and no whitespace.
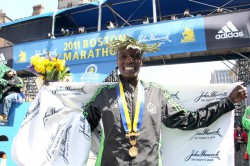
{"x":49,"y":68}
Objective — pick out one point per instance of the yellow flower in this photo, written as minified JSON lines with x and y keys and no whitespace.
{"x":49,"y":68}
{"x":40,"y":68}
{"x":60,"y":65}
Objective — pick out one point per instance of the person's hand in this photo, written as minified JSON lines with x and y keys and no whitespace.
{"x":239,"y":138}
{"x":11,"y":83}
{"x":238,"y":94}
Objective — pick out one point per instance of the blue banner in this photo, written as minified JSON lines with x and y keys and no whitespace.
{"x":93,"y":72}
{"x":178,"y":36}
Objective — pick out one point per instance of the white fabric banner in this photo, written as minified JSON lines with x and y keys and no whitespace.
{"x":209,"y":146}
{"x":54,"y":131}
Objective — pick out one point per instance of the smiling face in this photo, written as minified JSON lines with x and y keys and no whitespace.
{"x":129,"y":62}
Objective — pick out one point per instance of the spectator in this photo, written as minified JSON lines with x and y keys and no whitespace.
{"x":173,"y":17}
{"x":219,"y":10}
{"x":3,"y":82}
{"x":240,"y":138}
{"x":187,"y":14}
{"x":246,"y":124}
{"x":11,"y":92}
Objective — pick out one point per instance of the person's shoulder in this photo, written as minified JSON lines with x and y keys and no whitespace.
{"x":107,"y":86}
{"x":155,"y":87}
{"x":245,"y":132}
{"x":152,"y":85}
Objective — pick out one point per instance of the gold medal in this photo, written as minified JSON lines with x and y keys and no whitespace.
{"x":133,"y":151}
{"x":132,"y":134}
{"x":131,"y":129}
{"x":132,"y":142}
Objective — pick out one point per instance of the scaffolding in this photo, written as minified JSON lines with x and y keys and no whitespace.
{"x":243,"y":71}
{"x":113,"y":76}
{"x":243,"y":75}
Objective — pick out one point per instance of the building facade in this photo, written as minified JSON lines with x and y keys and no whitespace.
{"x":4,"y":19}
{"x":222,"y":77}
{"x":70,"y":3}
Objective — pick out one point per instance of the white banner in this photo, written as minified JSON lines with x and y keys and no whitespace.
{"x":209,"y":146}
{"x":54,"y":131}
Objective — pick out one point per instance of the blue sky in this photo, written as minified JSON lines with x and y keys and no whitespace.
{"x":193,"y":73}
{"x":23,"y":8}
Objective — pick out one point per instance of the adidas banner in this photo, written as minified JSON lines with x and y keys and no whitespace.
{"x":55,"y":132}
{"x":6,"y":56}
{"x":230,"y":30}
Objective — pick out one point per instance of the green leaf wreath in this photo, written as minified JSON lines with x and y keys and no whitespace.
{"x":130,"y":42}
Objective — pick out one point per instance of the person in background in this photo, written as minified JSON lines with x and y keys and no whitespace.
{"x":240,"y":138}
{"x":11,"y":92}
{"x":3,"y":82}
{"x":187,"y":14}
{"x":131,"y":111}
{"x":246,"y":124}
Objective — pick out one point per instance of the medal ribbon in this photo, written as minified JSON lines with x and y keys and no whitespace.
{"x":124,"y":109}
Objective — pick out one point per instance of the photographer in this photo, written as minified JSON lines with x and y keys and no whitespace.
{"x":11,"y":92}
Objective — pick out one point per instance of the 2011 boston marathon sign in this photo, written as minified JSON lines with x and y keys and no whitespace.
{"x":187,"y":36}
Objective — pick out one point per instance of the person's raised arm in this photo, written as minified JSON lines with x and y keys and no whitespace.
{"x":174,"y":116}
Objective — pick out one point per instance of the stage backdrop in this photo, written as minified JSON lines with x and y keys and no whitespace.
{"x":54,"y":131}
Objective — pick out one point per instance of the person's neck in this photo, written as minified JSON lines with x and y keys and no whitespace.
{"x":132,"y":81}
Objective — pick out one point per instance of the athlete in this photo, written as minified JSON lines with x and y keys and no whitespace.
{"x":131,"y":111}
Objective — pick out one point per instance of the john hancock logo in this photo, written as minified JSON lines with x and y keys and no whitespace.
{"x":65,"y":146}
{"x":202,"y":156}
{"x":206,"y":134}
{"x":209,"y":96}
{"x":188,"y":35}
{"x":90,"y":74}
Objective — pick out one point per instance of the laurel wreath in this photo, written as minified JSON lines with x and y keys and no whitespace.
{"x":130,"y":42}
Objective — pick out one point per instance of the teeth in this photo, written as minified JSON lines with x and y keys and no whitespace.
{"x":129,"y":68}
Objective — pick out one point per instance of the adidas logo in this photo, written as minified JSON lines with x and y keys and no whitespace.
{"x":228,"y":31}
{"x":2,"y":59}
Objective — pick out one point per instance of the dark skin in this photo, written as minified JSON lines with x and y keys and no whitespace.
{"x":129,"y":62}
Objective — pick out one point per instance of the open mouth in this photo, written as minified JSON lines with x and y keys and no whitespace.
{"x":129,"y":68}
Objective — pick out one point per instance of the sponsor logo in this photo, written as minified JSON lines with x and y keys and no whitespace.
{"x":54,"y":143}
{"x":188,"y":35}
{"x":154,"y":38}
{"x":22,"y":57}
{"x":228,"y":31}
{"x":33,"y":110}
{"x":2,"y":59}
{"x":206,"y":134}
{"x":49,"y":113}
{"x":45,"y":51}
{"x":203,"y":155}
{"x":68,"y":91}
{"x":210,"y":96}
{"x":151,"y":108}
{"x":64,"y":149}
{"x":90,"y":74}
{"x":84,"y":128}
